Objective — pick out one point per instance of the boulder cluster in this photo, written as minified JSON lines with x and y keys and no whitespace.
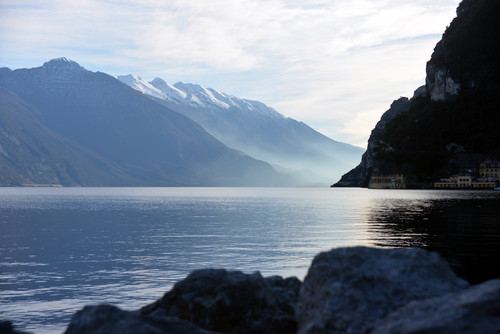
{"x":347,"y":290}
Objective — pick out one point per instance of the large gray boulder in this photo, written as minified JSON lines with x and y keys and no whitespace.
{"x":108,"y":319}
{"x":475,"y":310}
{"x":349,"y":290}
{"x":232,"y":302}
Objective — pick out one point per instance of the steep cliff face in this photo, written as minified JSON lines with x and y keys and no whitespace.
{"x":360,"y":176}
{"x":451,"y":123}
{"x":467,"y":55}
{"x":440,"y":84}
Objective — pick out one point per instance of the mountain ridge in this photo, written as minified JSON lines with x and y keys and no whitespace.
{"x":133,"y":139}
{"x":256,"y":129}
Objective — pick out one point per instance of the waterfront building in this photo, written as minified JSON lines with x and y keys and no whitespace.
{"x":392,"y":181}
{"x":490,"y":170}
{"x":455,"y":182}
{"x":487,"y":178}
{"x":483,"y":184}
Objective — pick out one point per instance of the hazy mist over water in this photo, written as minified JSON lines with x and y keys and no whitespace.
{"x":63,"y":248}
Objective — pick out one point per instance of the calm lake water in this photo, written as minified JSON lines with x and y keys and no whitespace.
{"x":63,"y":248}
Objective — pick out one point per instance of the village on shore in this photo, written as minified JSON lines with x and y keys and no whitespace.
{"x":486,"y":177}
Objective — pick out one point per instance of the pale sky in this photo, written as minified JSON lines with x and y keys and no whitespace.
{"x":335,"y":65}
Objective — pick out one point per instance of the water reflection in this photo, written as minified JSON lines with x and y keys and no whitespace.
{"x":464,"y":228}
{"x":64,"y":248}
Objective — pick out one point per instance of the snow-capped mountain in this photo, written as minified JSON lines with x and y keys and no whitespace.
{"x":255,"y":129}
{"x":62,"y":124}
{"x":62,"y":64}
{"x":170,"y":92}
{"x":143,"y":86}
{"x":196,"y":96}
{"x":210,"y":99}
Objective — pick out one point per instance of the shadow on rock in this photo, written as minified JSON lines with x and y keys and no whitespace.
{"x":475,"y":310}
{"x":108,"y":319}
{"x":232,"y":302}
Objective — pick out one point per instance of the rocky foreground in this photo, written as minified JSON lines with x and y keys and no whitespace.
{"x":347,"y":290}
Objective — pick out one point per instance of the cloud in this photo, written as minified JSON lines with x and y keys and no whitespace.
{"x":361,"y":82}
{"x":181,"y":38}
{"x":324,"y":62}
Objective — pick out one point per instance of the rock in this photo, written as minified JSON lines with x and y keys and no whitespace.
{"x":348,"y":290}
{"x":108,"y":319}
{"x":474,"y":310}
{"x":232,"y":302}
{"x":440,"y":84}
{"x":6,"y":327}
{"x":360,"y":175}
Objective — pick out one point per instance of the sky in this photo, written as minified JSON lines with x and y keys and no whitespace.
{"x":335,"y":65}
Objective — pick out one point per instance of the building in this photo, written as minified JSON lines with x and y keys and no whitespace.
{"x":487,"y":178}
{"x":489,"y":170}
{"x":483,"y":185}
{"x":393,"y":181}
{"x":455,"y":182}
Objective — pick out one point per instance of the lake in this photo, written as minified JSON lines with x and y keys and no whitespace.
{"x":63,"y":248}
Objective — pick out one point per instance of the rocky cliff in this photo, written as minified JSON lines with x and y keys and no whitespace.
{"x":451,"y":124}
{"x":360,"y":176}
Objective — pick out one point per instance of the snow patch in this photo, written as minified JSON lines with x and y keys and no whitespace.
{"x":62,"y":63}
{"x":141,"y":85}
{"x":199,"y":97}
{"x":171,"y":93}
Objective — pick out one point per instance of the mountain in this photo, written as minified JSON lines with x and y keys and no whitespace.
{"x":30,"y":153}
{"x":255,"y":129}
{"x":452,"y":123}
{"x":62,"y":124}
